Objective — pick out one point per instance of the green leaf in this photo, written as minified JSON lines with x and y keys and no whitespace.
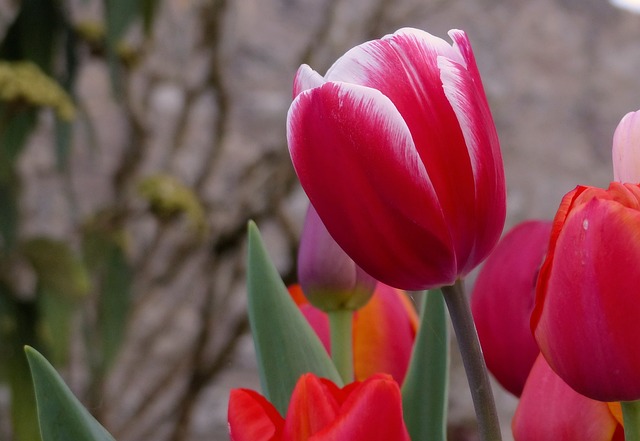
{"x":60,"y":415}
{"x":32,"y":35}
{"x":426,"y":386}
{"x":15,"y":125}
{"x":56,"y":323}
{"x":63,"y":281}
{"x":114,"y":303}
{"x":58,"y":268}
{"x":148,"y":10}
{"x":23,"y":402}
{"x":286,"y":346}
{"x":16,"y":329}
{"x":120,"y":14}
{"x":9,"y":210}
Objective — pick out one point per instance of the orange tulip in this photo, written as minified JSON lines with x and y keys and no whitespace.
{"x":383,"y":331}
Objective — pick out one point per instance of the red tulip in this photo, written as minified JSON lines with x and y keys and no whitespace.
{"x":398,"y":153}
{"x":550,"y":410}
{"x":626,"y":149}
{"x":587,"y":310}
{"x":502,"y":301}
{"x":383,"y":331}
{"x":319,"y":411}
{"x":329,"y":278}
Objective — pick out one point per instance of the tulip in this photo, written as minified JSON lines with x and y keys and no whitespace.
{"x":383,"y":331}
{"x":626,"y":149}
{"x":502,"y":301}
{"x":587,"y":310}
{"x":397,"y":150}
{"x":319,"y":411}
{"x":329,"y":278}
{"x":550,"y":410}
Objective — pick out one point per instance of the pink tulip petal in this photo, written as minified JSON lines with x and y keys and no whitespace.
{"x":404,"y":67}
{"x":332,"y":130}
{"x":587,"y":324}
{"x":384,"y":332}
{"x":626,"y":149}
{"x":312,"y":408}
{"x":252,"y":418}
{"x":550,"y":410}
{"x":463,"y":88}
{"x":372,"y":412}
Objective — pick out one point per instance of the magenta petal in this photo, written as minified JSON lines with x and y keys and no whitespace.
{"x":404,"y":67}
{"x":465,"y":93}
{"x":357,"y":161}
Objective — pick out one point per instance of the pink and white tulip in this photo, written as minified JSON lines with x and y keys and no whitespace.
{"x":397,"y":150}
{"x":626,"y":149}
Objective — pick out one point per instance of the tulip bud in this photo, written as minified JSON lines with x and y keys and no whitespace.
{"x":502,"y":302}
{"x":626,"y":149}
{"x":329,"y":278}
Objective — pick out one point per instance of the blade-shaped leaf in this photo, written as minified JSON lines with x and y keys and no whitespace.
{"x":16,"y":329}
{"x":426,"y":386}
{"x":114,"y":303}
{"x":61,"y":416}
{"x":58,"y":268}
{"x":56,"y":314}
{"x":63,"y":282}
{"x":286,"y":346}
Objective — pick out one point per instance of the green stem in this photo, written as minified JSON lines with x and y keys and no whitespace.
{"x":341,"y":322}
{"x":473,"y":361}
{"x":426,"y":387}
{"x":631,"y":418}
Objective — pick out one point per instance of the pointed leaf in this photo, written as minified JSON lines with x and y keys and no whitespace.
{"x":114,"y":303}
{"x":16,"y":329}
{"x":286,"y":346}
{"x":60,"y":415}
{"x":426,"y":386}
{"x":63,"y":281}
{"x":58,"y":268}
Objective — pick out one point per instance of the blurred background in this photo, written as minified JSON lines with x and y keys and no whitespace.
{"x":138,"y":137}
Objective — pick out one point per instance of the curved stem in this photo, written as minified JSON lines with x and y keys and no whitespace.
{"x":473,"y":361}
{"x":340,"y":322}
{"x":631,"y":418}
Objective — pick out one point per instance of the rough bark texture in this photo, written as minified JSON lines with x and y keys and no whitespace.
{"x":207,"y":102}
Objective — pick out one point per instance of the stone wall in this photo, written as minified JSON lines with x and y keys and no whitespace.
{"x":206,"y":102}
